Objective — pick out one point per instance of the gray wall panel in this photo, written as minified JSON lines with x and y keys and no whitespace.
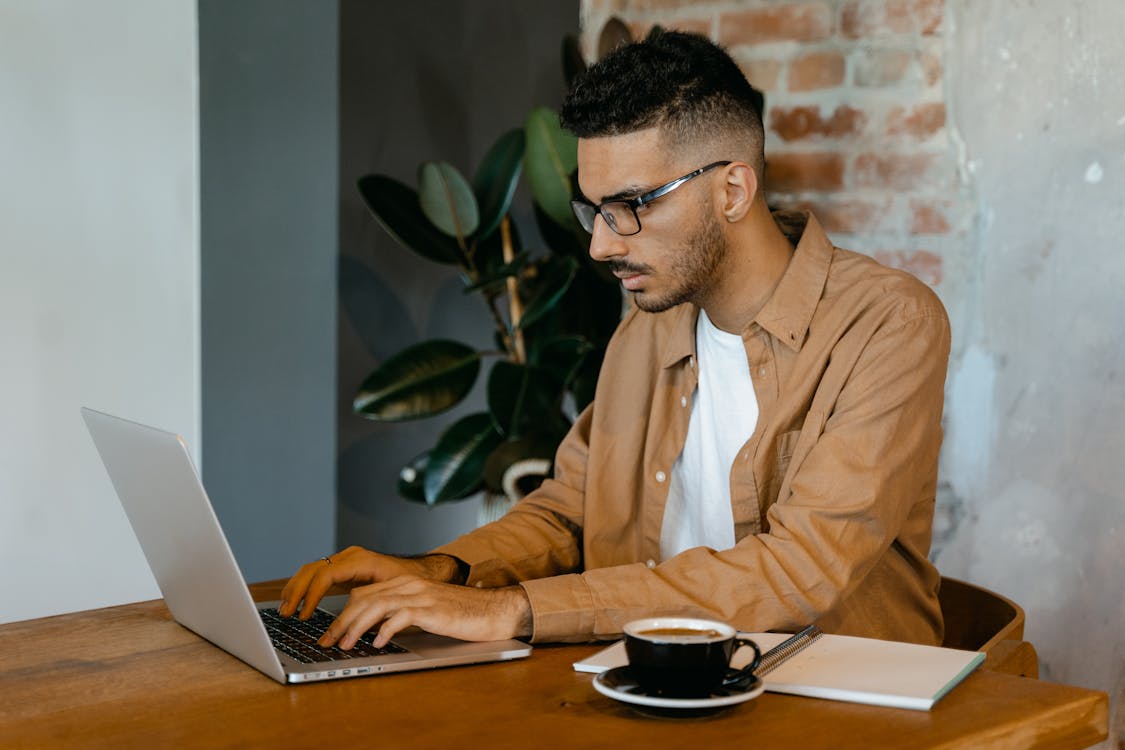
{"x":268,"y":134}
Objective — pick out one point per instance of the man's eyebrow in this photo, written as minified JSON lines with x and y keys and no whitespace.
{"x":629,"y":191}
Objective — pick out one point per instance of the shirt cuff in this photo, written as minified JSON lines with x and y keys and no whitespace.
{"x":562,"y":609}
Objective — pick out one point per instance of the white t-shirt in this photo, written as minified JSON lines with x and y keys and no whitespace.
{"x":724,"y":412}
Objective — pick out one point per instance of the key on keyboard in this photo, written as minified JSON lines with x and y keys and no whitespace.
{"x":298,"y":638}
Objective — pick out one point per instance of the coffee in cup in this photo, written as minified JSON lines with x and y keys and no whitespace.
{"x":685,"y":657}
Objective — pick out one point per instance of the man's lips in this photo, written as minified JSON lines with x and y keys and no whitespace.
{"x":629,"y":276}
{"x":631,"y":280}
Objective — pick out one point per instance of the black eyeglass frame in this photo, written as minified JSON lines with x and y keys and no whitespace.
{"x":580,"y":206}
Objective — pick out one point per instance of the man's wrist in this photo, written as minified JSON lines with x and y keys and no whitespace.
{"x":520,"y":611}
{"x":443,"y":568}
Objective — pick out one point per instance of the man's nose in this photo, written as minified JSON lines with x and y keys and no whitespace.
{"x":604,"y":242}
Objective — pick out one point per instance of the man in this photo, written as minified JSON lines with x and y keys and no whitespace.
{"x":763,"y":444}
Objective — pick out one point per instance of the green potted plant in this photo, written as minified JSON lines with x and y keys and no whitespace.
{"x":552,"y":310}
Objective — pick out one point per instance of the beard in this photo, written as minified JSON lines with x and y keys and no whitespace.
{"x":692,"y":269}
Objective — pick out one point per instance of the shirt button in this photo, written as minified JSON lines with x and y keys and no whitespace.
{"x":683,"y":400}
{"x":661,"y":476}
{"x":651,"y":563}
{"x":762,"y":372}
{"x":691,"y":362}
{"x":479,"y":584}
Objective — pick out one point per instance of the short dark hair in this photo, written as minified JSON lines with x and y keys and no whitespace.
{"x":684,"y":83}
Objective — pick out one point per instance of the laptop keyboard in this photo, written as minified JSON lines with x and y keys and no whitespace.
{"x":298,"y":638}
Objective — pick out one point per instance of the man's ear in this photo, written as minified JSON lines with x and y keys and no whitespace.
{"x":739,"y":190}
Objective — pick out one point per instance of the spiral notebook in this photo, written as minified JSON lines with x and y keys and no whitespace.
{"x":842,"y":667}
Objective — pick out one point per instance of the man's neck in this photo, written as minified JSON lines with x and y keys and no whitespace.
{"x":758,"y":254}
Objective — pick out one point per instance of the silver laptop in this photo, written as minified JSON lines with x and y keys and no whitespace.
{"x":180,"y":536}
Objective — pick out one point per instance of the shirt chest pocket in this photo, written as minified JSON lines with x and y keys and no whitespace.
{"x":793,"y":448}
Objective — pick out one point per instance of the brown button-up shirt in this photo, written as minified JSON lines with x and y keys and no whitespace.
{"x":832,"y":495}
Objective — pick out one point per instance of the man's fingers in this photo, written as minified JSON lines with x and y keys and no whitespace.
{"x":309,"y":585}
{"x":322,"y":579}
{"x":401,"y":619}
{"x":295,"y":590}
{"x":368,"y":606}
{"x":350,"y":625}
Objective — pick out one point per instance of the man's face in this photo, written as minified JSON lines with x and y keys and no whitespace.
{"x":677,"y":253}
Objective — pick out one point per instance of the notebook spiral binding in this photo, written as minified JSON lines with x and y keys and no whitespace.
{"x":795,"y":645}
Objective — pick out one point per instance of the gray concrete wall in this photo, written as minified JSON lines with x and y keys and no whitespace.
{"x":419,"y":81}
{"x":268,"y":134}
{"x":1035,"y":445}
{"x":99,"y":284}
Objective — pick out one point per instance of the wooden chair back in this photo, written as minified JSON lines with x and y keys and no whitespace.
{"x":977,"y":619}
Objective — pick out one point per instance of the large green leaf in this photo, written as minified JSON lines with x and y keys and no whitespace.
{"x":562,"y":356}
{"x":583,"y":384}
{"x":411,"y":479}
{"x":522,"y":397}
{"x":496,"y":179}
{"x":495,"y":280}
{"x":573,"y":241}
{"x":420,"y":381}
{"x":554,"y":279}
{"x":592,"y":307}
{"x":396,"y":208}
{"x":457,"y":461}
{"x":552,"y":154}
{"x":447,"y":200}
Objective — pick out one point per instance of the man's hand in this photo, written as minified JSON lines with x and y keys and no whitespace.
{"x":471,"y":614}
{"x":356,"y":566}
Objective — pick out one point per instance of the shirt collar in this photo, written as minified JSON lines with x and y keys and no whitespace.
{"x":681,"y":334}
{"x":789,"y":310}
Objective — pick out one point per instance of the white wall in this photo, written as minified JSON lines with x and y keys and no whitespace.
{"x":99,"y":280}
{"x":1036,"y":411}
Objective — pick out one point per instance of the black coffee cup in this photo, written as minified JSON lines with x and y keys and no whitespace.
{"x":685,"y":657}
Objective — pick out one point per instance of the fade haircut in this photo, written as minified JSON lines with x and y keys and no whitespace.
{"x":683,"y":83}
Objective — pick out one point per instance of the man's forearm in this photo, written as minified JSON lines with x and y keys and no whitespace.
{"x":444,"y":568}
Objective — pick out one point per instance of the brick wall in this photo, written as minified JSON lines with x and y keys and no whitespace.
{"x":856,"y":117}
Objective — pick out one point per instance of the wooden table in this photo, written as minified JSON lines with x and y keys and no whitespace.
{"x":130,"y":676}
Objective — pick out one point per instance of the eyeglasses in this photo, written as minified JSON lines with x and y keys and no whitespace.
{"x":621,"y":215}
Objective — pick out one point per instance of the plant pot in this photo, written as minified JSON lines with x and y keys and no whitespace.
{"x":519,"y":479}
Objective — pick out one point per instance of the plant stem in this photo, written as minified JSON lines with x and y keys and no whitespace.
{"x":515,"y":306}
{"x":501,"y":326}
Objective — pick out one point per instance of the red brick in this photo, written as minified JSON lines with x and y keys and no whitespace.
{"x":881,"y":67}
{"x":796,"y":123}
{"x":920,"y":121}
{"x":796,"y":172}
{"x":898,"y":171}
{"x":801,"y":22}
{"x":932,"y":67}
{"x":818,"y":70}
{"x":763,"y":74}
{"x":929,"y":217}
{"x":864,"y":18}
{"x":640,"y":29}
{"x":598,"y":6}
{"x":924,"y":264}
{"x":633,"y":6}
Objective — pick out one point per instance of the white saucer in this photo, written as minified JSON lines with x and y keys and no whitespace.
{"x":619,"y":684}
